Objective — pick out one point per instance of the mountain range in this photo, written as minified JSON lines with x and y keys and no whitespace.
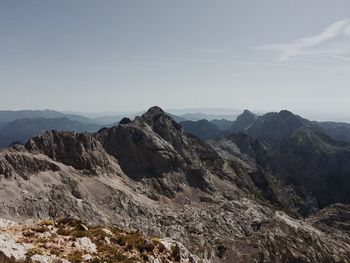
{"x":20,"y":126}
{"x":21,"y":130}
{"x":263,"y":127}
{"x":274,"y":190}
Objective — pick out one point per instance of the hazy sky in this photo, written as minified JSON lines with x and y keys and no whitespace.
{"x":128,"y":55}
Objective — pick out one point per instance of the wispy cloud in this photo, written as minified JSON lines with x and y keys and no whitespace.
{"x":306,"y":45}
{"x":139,"y":59}
{"x":212,"y":50}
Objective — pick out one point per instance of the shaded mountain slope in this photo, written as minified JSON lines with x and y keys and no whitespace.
{"x":299,"y":155}
{"x":222,"y":124}
{"x":336,"y":130}
{"x":203,"y":129}
{"x":318,"y":162}
{"x":250,"y":160}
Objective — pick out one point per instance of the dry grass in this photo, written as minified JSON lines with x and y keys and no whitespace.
{"x":57,"y":238}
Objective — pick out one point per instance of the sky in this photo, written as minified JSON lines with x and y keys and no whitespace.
{"x":94,"y":56}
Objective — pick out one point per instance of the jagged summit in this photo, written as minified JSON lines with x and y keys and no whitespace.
{"x":274,"y":127}
{"x":286,"y":113}
{"x":243,"y":121}
{"x":247,"y":112}
{"x":247,"y":117}
{"x":125,"y":121}
{"x":154,"y":111}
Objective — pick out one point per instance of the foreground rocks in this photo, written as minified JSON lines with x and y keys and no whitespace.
{"x":65,"y":240}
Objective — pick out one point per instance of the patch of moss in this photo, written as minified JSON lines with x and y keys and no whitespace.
{"x":47,"y":222}
{"x":75,"y":257}
{"x":39,"y":229}
{"x":33,"y":251}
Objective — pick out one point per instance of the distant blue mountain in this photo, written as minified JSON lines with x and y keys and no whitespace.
{"x":23,"y":129}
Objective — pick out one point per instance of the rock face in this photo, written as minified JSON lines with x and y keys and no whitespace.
{"x":80,"y":150}
{"x":318,"y":163}
{"x":251,"y":161}
{"x":18,"y":161}
{"x":221,"y":200}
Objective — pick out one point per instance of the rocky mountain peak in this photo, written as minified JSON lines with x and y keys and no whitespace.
{"x":153,"y":147}
{"x":156,"y":117}
{"x":247,"y":113}
{"x":274,"y":127}
{"x":286,"y":113}
{"x":154,"y":111}
{"x":243,"y":121}
{"x":125,"y":121}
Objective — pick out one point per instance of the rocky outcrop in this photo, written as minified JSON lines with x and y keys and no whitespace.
{"x":335,"y":220}
{"x":17,"y":161}
{"x":80,"y":150}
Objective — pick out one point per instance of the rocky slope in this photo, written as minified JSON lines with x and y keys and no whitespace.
{"x":149,"y":174}
{"x":67,"y":240}
{"x":251,"y":161}
{"x":318,"y":163}
{"x":222,"y":124}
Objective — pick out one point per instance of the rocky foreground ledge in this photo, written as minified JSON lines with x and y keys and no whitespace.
{"x":68,"y":240}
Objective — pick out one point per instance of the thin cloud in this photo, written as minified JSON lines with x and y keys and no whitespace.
{"x":300,"y":46}
{"x":214,"y":61}
{"x":212,"y":50}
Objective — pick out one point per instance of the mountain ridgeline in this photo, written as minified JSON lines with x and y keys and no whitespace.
{"x":265,"y":190}
{"x":311,"y":154}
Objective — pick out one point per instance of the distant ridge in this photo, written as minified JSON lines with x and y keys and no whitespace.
{"x":21,"y":130}
{"x":8,"y":116}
